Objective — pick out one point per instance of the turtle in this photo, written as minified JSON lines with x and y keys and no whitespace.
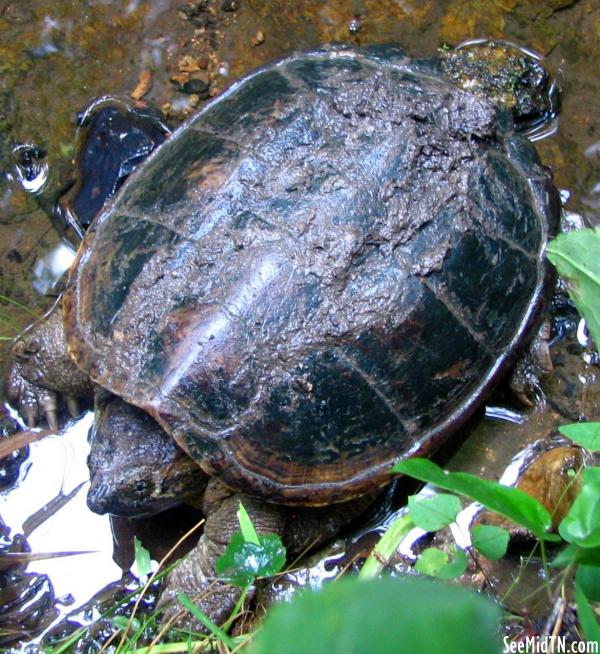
{"x":324,"y":271}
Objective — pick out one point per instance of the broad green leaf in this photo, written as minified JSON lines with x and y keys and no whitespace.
{"x":382,"y":616}
{"x":581,"y":525}
{"x":576,"y":256}
{"x":203,"y":619}
{"x":143,"y":562}
{"x":586,"y":434}
{"x":574,"y":554}
{"x":248,"y":531}
{"x":243,"y":562}
{"x":435,"y":512}
{"x":491,"y":541}
{"x":588,"y":578}
{"x":437,"y":563}
{"x":509,"y":502}
{"x":587,"y":617}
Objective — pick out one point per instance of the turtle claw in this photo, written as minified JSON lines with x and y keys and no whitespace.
{"x":30,"y":416}
{"x":48,"y":405}
{"x":73,"y":406}
{"x":33,"y":402}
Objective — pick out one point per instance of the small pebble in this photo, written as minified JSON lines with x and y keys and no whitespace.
{"x":258,"y":38}
{"x":188,"y":64}
{"x":354,"y":25}
{"x":230,"y":5}
{"x":143,"y":86}
{"x":194,"y":86}
{"x":193,"y":9}
{"x":166,"y":109}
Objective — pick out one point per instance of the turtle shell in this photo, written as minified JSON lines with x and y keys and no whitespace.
{"x":322,"y":272}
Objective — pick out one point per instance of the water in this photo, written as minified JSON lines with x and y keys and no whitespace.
{"x":56,"y":60}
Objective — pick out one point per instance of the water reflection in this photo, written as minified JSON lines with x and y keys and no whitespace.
{"x":48,"y":270}
{"x":58,"y":467}
{"x":30,"y":167}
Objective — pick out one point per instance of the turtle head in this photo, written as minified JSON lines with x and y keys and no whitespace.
{"x":135,"y":466}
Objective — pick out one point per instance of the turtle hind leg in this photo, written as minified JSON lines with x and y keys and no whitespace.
{"x":524,"y":381}
{"x":42,"y":373}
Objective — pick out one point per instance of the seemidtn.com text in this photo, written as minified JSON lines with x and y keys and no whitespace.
{"x":549,"y":645}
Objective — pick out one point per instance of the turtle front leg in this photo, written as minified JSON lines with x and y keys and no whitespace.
{"x":300,"y":530}
{"x":42,"y":371}
{"x":195,"y":576}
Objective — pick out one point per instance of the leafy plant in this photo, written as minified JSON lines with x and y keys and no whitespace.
{"x":249,"y":555}
{"x":438,"y":563}
{"x":576,"y":256}
{"x":509,"y":502}
{"x":586,"y":434}
{"x":433,"y":513}
{"x":490,"y":540}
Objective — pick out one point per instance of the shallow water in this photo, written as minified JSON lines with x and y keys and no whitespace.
{"x":56,"y":57}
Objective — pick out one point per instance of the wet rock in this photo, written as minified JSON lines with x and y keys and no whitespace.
{"x":231,"y":5}
{"x":511,"y":77}
{"x":195,"y":86}
{"x":548,"y":474}
{"x":189,"y":64}
{"x":354,"y":25}
{"x":193,"y":9}
{"x":113,"y":139}
{"x":199,"y":14}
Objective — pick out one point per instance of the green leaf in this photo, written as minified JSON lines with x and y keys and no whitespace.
{"x":248,"y":531}
{"x":574,"y":554}
{"x":587,"y":617}
{"x":437,"y":563}
{"x":576,"y":256}
{"x":588,"y":578}
{"x":586,"y":434}
{"x":509,"y":502}
{"x":143,"y":561}
{"x":203,"y":619}
{"x":435,"y":512}
{"x":382,"y":616}
{"x":491,"y":541}
{"x":243,"y":562}
{"x":126,"y":624}
{"x":581,"y":525}
{"x":387,"y":545}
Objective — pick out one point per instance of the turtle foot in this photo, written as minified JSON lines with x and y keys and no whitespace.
{"x":42,"y":377}
{"x":31,"y":401}
{"x":536,"y":361}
